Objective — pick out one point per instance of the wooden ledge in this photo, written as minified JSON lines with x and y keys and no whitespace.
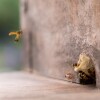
{"x":25,"y":86}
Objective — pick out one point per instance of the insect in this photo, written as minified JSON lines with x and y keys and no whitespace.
{"x":69,"y":76}
{"x":17,"y":35}
{"x":85,"y":69}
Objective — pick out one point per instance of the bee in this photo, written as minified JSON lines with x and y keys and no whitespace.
{"x":17,"y":35}
{"x":69,"y":76}
{"x":85,"y":69}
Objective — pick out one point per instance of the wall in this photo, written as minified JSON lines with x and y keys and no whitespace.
{"x":57,"y":31}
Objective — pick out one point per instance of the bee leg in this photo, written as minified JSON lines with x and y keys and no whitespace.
{"x":16,"y":40}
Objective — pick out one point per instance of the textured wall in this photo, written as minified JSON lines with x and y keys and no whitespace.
{"x":57,"y":31}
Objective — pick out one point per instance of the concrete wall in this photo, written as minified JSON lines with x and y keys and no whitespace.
{"x":57,"y":31}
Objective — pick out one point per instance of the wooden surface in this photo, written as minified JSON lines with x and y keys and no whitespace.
{"x":57,"y":31}
{"x":25,"y":86}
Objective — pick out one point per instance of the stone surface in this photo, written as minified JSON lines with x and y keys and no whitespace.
{"x":57,"y":31}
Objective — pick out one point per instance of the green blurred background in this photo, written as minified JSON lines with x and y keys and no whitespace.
{"x":10,"y":52}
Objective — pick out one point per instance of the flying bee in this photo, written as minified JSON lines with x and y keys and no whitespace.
{"x":17,"y":35}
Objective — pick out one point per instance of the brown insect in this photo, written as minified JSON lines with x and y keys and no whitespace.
{"x":85,"y":69}
{"x":17,"y":35}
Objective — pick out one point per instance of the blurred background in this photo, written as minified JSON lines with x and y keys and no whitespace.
{"x":10,"y":52}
